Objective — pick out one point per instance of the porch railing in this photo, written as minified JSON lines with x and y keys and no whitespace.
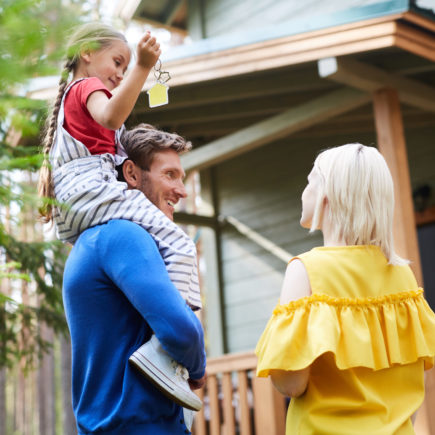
{"x":237,"y":402}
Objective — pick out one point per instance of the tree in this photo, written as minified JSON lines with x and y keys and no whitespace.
{"x":31,"y":36}
{"x":31,"y":40}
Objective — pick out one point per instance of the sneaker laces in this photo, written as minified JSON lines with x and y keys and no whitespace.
{"x":180,"y":371}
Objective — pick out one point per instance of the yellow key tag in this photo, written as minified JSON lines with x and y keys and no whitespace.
{"x":158,"y":95}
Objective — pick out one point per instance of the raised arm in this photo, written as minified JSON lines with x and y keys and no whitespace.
{"x":296,"y":285}
{"x":112,"y":113}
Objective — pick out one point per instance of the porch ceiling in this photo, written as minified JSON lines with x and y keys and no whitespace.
{"x":206,"y":111}
{"x":249,"y":89}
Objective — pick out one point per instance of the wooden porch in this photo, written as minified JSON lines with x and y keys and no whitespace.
{"x":237,"y":402}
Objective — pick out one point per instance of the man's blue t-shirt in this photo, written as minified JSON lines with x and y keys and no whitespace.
{"x":116,"y":291}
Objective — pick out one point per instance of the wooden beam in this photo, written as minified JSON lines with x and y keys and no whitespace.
{"x":280,"y":52}
{"x":276,"y":127}
{"x":238,"y":108}
{"x":420,"y":20}
{"x":421,"y":43}
{"x":359,"y":37}
{"x":171,"y":12}
{"x":183,"y":218}
{"x":369,"y":78}
{"x":272,"y":83}
{"x":391,"y":143}
{"x":232,"y":362}
{"x":257,"y":238}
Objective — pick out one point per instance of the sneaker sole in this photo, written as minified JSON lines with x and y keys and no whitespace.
{"x":156,"y":380}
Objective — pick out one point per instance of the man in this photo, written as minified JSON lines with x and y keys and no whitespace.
{"x":116,"y":293}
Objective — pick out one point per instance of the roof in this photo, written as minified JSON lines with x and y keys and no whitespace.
{"x":165,"y":13}
{"x":313,"y":15}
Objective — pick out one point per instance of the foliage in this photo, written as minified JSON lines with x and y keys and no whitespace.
{"x":31,"y":41}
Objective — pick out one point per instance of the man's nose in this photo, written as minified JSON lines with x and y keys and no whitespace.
{"x":181,"y":190}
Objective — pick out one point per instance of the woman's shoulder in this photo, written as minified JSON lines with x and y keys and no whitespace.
{"x":330,"y":257}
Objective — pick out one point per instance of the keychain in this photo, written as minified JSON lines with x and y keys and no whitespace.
{"x":158,"y":94}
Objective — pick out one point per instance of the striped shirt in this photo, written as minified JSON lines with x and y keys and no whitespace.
{"x":88,"y":193}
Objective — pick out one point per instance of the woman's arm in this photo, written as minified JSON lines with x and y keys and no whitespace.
{"x":291,"y":384}
{"x":296,"y":285}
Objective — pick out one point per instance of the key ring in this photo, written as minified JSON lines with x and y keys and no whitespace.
{"x":158,"y":94}
{"x":161,"y":76}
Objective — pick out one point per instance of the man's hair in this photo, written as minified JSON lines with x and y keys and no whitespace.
{"x":358,"y":186}
{"x":143,"y":141}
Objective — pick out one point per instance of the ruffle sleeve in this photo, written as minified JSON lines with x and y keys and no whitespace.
{"x":374,"y":332}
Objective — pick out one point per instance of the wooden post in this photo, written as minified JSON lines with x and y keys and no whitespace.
{"x":270,"y":409}
{"x":213,"y":395}
{"x":391,"y":143}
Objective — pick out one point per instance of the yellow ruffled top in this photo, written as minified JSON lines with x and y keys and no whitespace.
{"x":367,"y":327}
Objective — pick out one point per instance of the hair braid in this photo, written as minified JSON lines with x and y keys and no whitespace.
{"x":90,"y":36}
{"x":45,"y":183}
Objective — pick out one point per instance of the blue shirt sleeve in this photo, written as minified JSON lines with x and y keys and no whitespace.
{"x":132,"y":261}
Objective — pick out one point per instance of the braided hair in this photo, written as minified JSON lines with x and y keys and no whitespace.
{"x":88,"y":37}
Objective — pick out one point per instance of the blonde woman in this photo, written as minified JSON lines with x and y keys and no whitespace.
{"x":352,"y":334}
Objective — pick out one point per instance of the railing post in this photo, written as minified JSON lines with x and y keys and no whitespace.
{"x":270,"y":408}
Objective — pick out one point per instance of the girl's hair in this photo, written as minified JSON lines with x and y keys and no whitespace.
{"x":142,"y":142}
{"x":87,"y":37}
{"x":358,"y":186}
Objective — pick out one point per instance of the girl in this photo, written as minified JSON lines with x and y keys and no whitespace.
{"x":352,"y":334}
{"x":82,"y":147}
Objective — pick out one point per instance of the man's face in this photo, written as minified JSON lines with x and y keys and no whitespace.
{"x":163,"y":183}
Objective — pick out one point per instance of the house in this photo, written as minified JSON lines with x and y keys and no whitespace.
{"x":261,"y":89}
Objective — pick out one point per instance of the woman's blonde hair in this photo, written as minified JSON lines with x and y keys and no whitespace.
{"x":85,"y":38}
{"x":356,"y":182}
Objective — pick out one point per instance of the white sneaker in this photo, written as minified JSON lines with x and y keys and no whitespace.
{"x":165,"y":373}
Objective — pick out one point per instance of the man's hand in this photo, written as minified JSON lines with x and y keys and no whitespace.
{"x":196,"y":384}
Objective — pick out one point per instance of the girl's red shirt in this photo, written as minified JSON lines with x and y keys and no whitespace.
{"x":79,"y":123}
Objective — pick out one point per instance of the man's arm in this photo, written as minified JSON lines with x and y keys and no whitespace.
{"x":134,"y":264}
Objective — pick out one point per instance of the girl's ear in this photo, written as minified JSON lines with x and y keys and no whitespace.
{"x":86,"y":55}
{"x":131,"y":174}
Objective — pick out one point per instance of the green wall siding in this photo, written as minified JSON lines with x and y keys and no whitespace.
{"x":211,"y":18}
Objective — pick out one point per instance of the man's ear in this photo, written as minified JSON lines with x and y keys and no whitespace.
{"x":131,"y":174}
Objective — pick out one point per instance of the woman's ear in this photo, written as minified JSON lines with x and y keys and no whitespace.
{"x":131,"y":174}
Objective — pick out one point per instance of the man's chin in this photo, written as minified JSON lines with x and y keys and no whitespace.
{"x":169,"y":215}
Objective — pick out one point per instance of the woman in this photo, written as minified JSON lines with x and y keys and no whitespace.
{"x":352,"y":334}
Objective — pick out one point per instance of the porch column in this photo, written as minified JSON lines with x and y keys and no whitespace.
{"x":392,"y":145}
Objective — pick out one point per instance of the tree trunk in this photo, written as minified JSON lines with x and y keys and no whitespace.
{"x":46,"y":390}
{"x":69,"y":422}
{"x":2,"y":401}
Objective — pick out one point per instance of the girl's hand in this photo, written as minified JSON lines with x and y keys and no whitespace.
{"x":148,"y":51}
